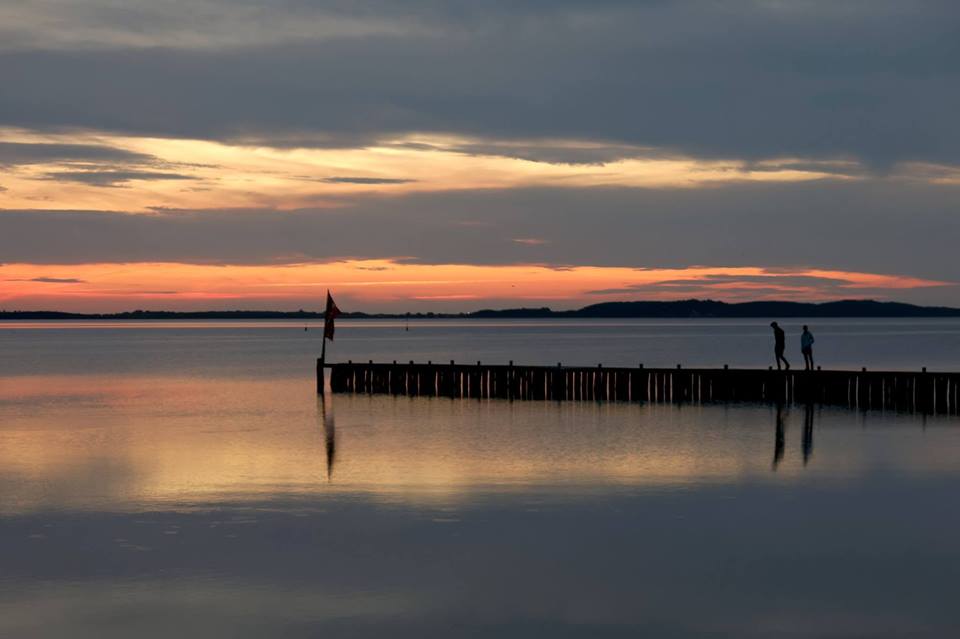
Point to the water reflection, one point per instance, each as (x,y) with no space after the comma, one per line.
(150,507)
(779,437)
(118,443)
(325,410)
(181,483)
(807,433)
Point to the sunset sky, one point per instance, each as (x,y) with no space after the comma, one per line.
(456,155)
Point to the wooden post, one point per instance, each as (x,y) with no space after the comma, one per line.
(320,365)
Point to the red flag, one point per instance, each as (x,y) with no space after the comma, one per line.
(329,315)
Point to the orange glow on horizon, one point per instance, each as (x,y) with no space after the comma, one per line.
(371,284)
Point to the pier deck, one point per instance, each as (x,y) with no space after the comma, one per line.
(915,391)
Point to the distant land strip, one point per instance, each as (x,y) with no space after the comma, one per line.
(637,310)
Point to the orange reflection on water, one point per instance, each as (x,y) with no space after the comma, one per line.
(113,442)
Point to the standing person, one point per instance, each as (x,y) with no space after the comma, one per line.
(779,343)
(806,347)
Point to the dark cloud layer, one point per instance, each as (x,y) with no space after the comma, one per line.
(875,80)
(21,153)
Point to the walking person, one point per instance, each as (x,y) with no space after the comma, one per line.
(779,343)
(806,347)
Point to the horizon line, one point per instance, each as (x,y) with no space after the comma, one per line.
(467,313)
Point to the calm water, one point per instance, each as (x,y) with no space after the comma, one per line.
(160,480)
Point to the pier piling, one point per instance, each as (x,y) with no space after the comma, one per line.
(921,391)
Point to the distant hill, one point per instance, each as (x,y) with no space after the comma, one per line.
(709,308)
(675,309)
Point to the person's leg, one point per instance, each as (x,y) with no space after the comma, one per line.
(777,355)
(781,358)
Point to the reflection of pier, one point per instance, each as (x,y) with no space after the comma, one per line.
(919,391)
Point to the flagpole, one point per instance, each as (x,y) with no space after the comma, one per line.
(321,371)
(329,315)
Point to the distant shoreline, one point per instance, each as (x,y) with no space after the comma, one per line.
(684,309)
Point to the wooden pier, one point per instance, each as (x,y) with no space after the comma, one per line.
(919,391)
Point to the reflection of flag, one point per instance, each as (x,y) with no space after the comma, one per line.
(328,316)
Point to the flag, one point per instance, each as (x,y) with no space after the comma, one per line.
(328,316)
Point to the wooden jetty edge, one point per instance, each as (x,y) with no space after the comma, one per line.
(920,391)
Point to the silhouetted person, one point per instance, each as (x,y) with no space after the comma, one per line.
(779,439)
(779,343)
(806,347)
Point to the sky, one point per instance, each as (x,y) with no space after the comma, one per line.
(455,155)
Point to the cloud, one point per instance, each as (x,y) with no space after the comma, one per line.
(112,178)
(873,81)
(773,282)
(529,241)
(23,153)
(780,279)
(847,168)
(534,151)
(52,280)
(364,180)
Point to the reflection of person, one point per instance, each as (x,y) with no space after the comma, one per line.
(779,343)
(807,433)
(778,439)
(806,347)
